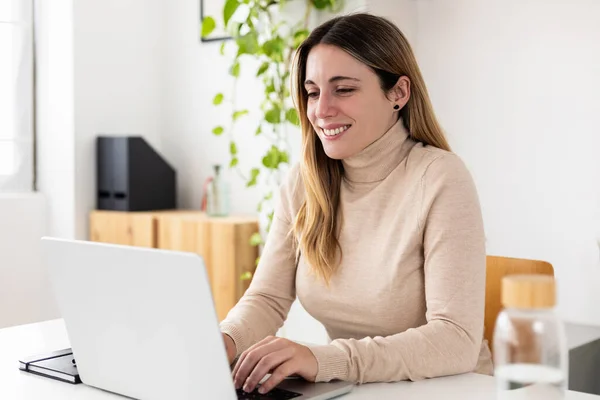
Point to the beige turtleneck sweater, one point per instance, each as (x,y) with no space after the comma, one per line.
(407,301)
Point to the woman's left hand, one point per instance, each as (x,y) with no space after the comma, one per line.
(280,357)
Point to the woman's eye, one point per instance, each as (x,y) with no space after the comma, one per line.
(313,94)
(345,90)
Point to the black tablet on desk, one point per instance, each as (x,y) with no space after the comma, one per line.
(59,365)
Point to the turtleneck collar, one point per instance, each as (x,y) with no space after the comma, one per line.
(378,160)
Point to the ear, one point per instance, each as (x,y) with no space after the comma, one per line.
(400,93)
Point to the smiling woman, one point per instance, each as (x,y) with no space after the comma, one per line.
(365,90)
(378,230)
(347,111)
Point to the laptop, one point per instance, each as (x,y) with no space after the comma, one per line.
(142,323)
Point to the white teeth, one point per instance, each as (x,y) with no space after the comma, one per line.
(336,131)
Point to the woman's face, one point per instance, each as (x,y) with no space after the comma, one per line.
(346,105)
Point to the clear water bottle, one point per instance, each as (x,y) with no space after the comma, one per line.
(530,350)
(217,196)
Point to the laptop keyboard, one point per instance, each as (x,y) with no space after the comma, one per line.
(274,394)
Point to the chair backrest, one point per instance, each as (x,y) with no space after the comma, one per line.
(496,269)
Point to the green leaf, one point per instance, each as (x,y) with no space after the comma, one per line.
(274,48)
(284,157)
(218,99)
(246,276)
(270,159)
(232,148)
(237,27)
(222,49)
(270,88)
(248,43)
(273,116)
(253,177)
(239,114)
(292,116)
(218,130)
(256,239)
(234,162)
(258,130)
(235,69)
(208,25)
(321,4)
(299,37)
(264,103)
(229,10)
(274,157)
(263,68)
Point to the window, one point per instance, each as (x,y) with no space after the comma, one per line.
(16,96)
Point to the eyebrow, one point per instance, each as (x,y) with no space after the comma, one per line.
(333,79)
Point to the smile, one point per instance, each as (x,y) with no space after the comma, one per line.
(336,131)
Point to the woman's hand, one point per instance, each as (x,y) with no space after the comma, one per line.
(278,356)
(229,347)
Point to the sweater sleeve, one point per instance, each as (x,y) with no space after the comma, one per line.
(454,272)
(264,306)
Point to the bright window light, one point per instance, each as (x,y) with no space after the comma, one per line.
(6,10)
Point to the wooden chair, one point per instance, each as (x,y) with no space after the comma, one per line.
(496,269)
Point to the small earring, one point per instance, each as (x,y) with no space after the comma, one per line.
(396,107)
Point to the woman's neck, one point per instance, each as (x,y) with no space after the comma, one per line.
(376,161)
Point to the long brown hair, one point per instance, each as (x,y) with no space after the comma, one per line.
(379,44)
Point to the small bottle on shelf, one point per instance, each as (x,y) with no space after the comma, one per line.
(217,196)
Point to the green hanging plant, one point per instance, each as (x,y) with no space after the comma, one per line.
(256,34)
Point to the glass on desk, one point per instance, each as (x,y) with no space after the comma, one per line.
(530,349)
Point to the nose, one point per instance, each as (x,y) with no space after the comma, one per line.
(325,107)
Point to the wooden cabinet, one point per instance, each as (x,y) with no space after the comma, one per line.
(223,243)
(133,229)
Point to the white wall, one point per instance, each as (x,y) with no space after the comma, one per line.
(402,12)
(24,288)
(118,60)
(516,84)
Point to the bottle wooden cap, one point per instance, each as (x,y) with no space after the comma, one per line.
(528,291)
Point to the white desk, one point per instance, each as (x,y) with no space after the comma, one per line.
(31,339)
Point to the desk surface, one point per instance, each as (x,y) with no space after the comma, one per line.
(36,338)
